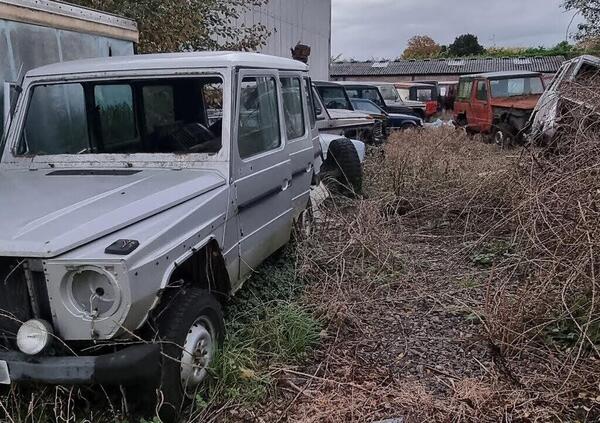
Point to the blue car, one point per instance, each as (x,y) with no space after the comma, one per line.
(395,121)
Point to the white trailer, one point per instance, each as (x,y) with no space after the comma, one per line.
(39,32)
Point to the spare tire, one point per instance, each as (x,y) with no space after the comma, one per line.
(342,170)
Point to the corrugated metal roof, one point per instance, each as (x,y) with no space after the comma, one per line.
(460,66)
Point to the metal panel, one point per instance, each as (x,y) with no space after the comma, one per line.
(53,14)
(25,46)
(296,21)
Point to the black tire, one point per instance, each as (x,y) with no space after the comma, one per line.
(179,312)
(504,135)
(343,169)
(407,125)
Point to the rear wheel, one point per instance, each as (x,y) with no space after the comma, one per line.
(342,169)
(190,330)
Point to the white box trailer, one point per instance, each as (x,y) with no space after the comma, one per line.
(34,33)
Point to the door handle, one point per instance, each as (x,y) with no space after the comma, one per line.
(309,168)
(286,185)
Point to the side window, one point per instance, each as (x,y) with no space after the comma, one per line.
(293,108)
(114,105)
(465,89)
(310,101)
(258,129)
(482,92)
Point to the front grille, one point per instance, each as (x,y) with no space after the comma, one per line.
(15,303)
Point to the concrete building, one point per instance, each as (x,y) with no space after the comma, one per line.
(293,22)
(440,69)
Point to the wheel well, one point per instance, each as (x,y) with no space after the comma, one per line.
(205,269)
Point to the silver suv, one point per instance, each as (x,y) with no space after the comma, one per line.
(139,193)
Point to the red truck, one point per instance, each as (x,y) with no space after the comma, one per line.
(498,104)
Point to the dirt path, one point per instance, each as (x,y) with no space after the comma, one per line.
(402,346)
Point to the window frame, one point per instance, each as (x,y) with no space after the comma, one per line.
(244,74)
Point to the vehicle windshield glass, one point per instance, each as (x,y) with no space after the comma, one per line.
(389,93)
(366,106)
(177,115)
(424,94)
(335,98)
(515,87)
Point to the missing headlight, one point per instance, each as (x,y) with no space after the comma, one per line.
(93,291)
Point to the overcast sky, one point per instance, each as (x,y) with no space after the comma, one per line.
(363,29)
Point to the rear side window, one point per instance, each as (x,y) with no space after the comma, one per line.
(310,101)
(293,108)
(258,128)
(482,91)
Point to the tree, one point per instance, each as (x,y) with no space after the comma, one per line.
(466,45)
(590,10)
(181,25)
(421,47)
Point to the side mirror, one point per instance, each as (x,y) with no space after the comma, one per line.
(318,110)
(11,95)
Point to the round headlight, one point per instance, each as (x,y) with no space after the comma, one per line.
(34,336)
(94,292)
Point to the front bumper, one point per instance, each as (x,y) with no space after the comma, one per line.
(134,365)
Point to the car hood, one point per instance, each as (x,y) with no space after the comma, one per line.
(47,213)
(525,102)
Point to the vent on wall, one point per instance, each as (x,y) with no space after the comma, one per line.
(380,64)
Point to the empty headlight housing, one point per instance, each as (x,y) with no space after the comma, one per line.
(91,291)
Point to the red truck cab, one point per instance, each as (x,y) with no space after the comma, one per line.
(498,103)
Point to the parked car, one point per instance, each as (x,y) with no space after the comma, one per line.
(134,213)
(393,120)
(557,98)
(498,103)
(375,93)
(336,115)
(416,91)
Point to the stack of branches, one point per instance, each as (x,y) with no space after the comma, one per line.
(548,304)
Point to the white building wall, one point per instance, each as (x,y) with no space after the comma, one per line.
(296,21)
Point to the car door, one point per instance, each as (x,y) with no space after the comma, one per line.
(299,136)
(262,169)
(480,106)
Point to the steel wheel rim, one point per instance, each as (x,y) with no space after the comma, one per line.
(198,353)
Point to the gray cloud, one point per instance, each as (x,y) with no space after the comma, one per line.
(380,28)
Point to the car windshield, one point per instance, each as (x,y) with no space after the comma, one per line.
(335,98)
(366,106)
(178,115)
(515,87)
(389,93)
